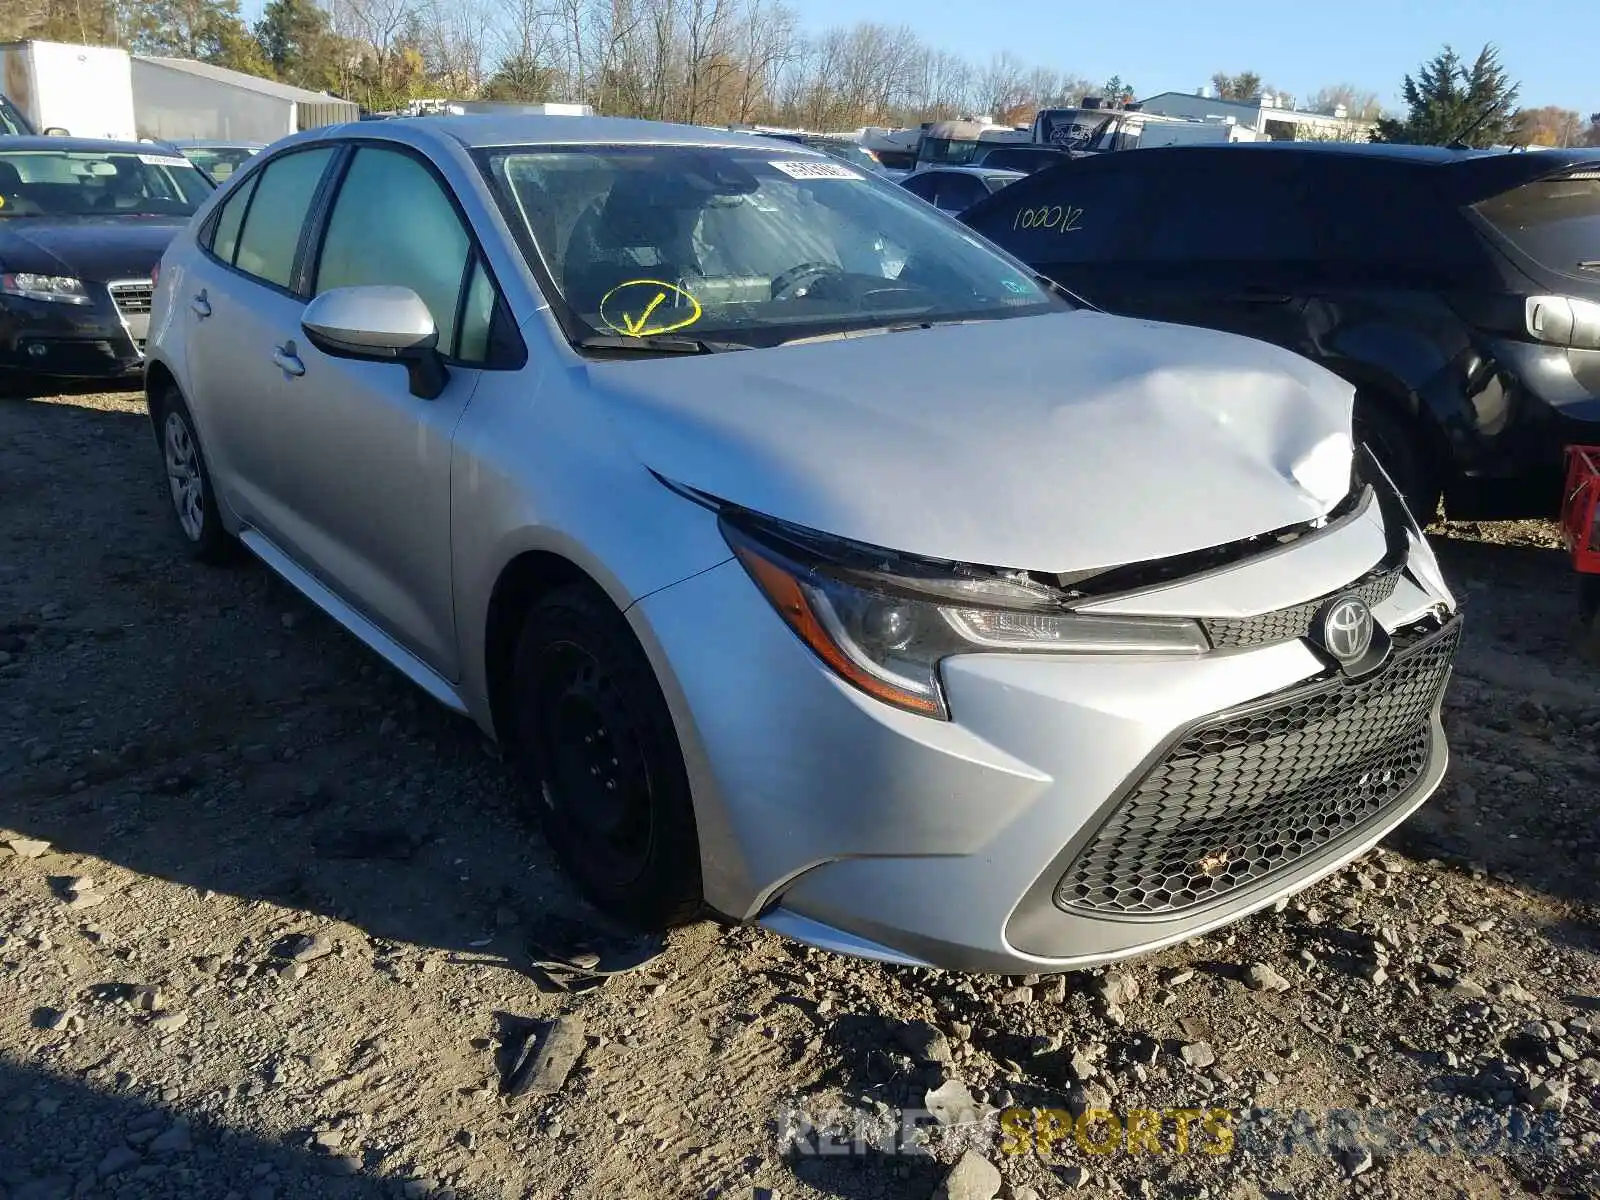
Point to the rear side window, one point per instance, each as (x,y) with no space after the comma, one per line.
(1076,212)
(1248,208)
(225,235)
(1555,222)
(272,227)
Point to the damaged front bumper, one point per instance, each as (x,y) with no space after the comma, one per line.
(1075,808)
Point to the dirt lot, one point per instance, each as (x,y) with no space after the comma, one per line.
(217,768)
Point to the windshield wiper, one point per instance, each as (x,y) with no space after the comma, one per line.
(656,344)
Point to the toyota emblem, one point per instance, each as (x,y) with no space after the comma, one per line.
(1347,628)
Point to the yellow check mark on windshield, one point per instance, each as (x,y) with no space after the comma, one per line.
(634,326)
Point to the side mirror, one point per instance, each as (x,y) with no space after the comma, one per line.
(56,131)
(379,324)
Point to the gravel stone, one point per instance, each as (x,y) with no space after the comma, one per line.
(972,1178)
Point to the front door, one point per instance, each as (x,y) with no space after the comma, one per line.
(365,468)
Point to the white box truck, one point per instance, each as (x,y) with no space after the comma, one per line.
(85,91)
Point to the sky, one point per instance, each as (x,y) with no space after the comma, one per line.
(1298,46)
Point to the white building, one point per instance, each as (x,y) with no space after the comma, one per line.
(1265,114)
(181,98)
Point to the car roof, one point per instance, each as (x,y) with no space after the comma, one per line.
(967,169)
(483,131)
(1463,176)
(80,145)
(214,144)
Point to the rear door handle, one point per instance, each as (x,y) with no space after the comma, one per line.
(286,359)
(200,305)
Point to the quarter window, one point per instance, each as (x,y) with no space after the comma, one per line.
(225,234)
(272,228)
(392,224)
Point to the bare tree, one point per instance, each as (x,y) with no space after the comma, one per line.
(766,45)
(1359,105)
(1001,86)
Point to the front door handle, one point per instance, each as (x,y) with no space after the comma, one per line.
(286,359)
(200,305)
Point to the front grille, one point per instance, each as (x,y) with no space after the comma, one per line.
(1286,624)
(133,296)
(1248,793)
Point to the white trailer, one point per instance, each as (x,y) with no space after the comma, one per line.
(85,91)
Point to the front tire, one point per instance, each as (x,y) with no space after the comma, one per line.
(189,490)
(598,753)
(1398,446)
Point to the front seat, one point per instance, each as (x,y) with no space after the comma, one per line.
(634,233)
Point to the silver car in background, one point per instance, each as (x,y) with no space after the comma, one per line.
(815,562)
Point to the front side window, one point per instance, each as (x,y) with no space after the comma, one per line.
(12,123)
(750,247)
(81,183)
(393,225)
(272,228)
(1077,214)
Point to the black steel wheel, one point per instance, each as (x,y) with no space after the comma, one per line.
(595,744)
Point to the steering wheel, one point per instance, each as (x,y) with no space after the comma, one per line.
(785,281)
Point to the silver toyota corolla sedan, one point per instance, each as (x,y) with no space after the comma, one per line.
(817,564)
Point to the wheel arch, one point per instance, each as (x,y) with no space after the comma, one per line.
(525,578)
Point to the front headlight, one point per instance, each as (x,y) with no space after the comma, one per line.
(60,288)
(883,622)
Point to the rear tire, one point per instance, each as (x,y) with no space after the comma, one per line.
(1398,447)
(596,747)
(189,490)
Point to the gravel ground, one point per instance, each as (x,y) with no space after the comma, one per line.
(266,917)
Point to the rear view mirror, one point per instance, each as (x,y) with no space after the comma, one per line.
(379,324)
(56,131)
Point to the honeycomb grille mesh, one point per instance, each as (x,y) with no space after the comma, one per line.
(1250,792)
(1286,624)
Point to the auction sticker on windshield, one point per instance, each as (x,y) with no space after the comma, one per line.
(796,169)
(163,160)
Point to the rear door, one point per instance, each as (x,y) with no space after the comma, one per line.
(241,303)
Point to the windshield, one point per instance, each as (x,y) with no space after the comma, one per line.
(750,247)
(849,152)
(947,152)
(1555,222)
(83,183)
(1072,128)
(218,161)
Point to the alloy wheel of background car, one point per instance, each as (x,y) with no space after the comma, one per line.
(189,483)
(600,759)
(183,477)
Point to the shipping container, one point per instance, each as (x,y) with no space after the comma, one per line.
(178,98)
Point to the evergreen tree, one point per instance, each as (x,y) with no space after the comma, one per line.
(1450,100)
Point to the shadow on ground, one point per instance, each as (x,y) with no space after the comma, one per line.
(210,727)
(63,1136)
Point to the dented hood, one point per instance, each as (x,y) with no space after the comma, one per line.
(1061,443)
